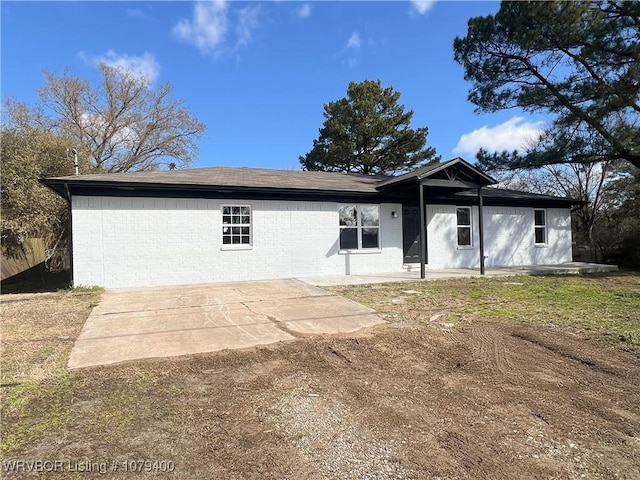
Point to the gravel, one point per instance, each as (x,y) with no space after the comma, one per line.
(320,428)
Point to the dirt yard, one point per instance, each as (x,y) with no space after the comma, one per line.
(510,378)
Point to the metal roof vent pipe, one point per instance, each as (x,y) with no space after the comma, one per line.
(75,160)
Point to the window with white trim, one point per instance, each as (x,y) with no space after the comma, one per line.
(236,225)
(359,227)
(463,221)
(540,226)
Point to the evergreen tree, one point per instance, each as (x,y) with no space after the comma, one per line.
(577,60)
(368,132)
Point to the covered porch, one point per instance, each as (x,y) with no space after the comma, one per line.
(435,184)
(412,273)
(453,218)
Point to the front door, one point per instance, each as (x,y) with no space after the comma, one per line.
(411,234)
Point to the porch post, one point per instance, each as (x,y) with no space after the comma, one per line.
(481,228)
(423,234)
(70,227)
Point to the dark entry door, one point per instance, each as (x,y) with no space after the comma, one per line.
(411,234)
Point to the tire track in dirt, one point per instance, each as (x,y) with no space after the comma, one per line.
(488,346)
(454,336)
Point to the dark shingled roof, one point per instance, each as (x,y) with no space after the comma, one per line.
(237,177)
(216,182)
(431,169)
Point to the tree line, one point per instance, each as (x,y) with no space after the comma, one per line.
(577,61)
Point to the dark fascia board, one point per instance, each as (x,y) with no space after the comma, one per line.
(431,170)
(59,187)
(112,189)
(518,199)
(503,202)
(65,188)
(489,180)
(435,182)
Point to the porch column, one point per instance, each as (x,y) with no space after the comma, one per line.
(481,228)
(423,233)
(70,235)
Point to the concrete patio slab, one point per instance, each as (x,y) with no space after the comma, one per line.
(310,316)
(412,273)
(131,324)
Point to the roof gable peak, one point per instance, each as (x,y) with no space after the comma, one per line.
(452,170)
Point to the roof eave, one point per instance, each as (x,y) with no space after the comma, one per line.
(412,177)
(59,185)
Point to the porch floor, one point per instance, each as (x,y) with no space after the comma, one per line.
(412,273)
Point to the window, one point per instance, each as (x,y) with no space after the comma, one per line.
(236,225)
(540,226)
(463,215)
(359,226)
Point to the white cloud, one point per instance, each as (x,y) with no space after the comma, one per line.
(144,66)
(304,11)
(422,6)
(212,30)
(354,41)
(95,123)
(207,28)
(134,12)
(247,22)
(514,134)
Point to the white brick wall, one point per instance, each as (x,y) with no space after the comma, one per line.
(508,238)
(125,242)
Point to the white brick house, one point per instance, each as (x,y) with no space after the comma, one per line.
(225,224)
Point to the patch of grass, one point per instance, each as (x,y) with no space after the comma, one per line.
(39,331)
(116,413)
(38,334)
(608,305)
(32,411)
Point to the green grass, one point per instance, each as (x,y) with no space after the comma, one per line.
(37,390)
(607,305)
(41,407)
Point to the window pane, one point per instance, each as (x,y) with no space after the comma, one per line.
(464,236)
(464,216)
(348,238)
(236,225)
(539,217)
(370,216)
(540,235)
(370,238)
(348,215)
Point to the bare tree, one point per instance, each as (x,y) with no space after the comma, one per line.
(123,122)
(587,182)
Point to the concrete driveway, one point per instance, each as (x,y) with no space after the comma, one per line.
(137,323)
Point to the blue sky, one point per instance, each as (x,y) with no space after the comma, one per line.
(258,73)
